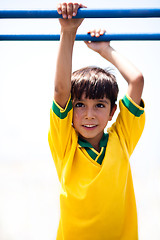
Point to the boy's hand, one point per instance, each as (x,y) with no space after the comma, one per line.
(97,46)
(69,10)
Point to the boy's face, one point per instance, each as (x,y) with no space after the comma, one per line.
(90,117)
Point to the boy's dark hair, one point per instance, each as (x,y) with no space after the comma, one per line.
(96,83)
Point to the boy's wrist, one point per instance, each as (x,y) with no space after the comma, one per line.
(69,32)
(104,50)
(68,36)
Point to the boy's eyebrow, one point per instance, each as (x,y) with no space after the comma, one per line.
(98,100)
(103,100)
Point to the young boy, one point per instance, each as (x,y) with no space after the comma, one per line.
(97,199)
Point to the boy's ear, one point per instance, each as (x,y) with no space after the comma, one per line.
(112,112)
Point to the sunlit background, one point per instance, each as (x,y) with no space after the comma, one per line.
(29,187)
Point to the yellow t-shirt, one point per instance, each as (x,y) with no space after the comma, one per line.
(97,200)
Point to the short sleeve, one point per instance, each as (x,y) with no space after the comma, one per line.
(130,123)
(60,132)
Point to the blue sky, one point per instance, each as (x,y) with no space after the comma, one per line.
(27,173)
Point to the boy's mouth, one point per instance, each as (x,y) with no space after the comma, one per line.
(89,125)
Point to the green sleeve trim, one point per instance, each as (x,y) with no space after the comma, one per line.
(133,107)
(60,112)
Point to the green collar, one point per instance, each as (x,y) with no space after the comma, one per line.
(86,144)
(98,157)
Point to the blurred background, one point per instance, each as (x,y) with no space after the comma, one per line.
(29,187)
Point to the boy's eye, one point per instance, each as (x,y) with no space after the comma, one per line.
(79,104)
(100,105)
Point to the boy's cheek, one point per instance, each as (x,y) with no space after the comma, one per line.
(76,114)
(75,118)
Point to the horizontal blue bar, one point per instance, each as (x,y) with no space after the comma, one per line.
(85,37)
(84,13)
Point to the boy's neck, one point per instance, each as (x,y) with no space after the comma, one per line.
(95,142)
(97,147)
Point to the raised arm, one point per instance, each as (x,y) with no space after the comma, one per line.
(130,73)
(69,26)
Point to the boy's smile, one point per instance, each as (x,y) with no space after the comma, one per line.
(90,117)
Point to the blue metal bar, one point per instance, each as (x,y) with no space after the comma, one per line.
(83,13)
(85,37)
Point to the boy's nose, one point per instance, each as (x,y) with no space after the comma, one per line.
(89,114)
